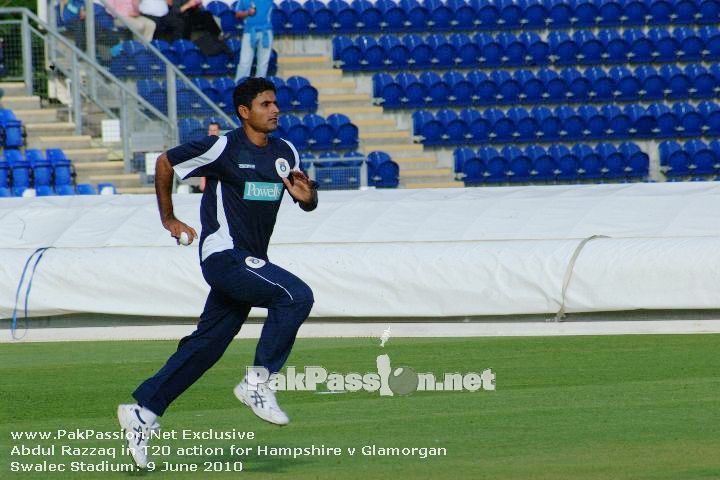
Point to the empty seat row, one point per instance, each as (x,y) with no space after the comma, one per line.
(295,94)
(570,85)
(133,59)
(587,122)
(334,171)
(317,133)
(483,50)
(556,163)
(364,16)
(694,157)
(19,174)
(62,190)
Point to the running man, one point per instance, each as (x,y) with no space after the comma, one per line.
(247,173)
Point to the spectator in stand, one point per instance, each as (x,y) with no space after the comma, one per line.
(257,34)
(200,26)
(128,10)
(168,27)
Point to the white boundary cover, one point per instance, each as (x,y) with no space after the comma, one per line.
(393,253)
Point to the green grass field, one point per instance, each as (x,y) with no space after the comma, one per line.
(610,407)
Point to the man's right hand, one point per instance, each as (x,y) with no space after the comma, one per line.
(176,227)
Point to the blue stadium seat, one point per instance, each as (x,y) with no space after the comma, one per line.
(12,128)
(460,156)
(63,173)
(590,48)
(467,51)
(710,36)
(463,15)
(519,165)
(42,174)
(224,14)
(21,175)
(653,84)
(710,112)
(691,45)
(666,120)
(198,105)
(562,48)
(595,122)
(444,53)
(13,157)
(579,86)
(440,15)
(34,156)
(567,162)
(555,88)
(300,134)
(65,190)
(611,13)
(615,47)
(190,129)
(703,81)
(44,190)
(538,50)
(371,16)
(627,85)
(4,174)
(345,132)
(515,51)
(614,164)
(587,13)
(346,54)
(191,58)
(666,47)
(425,125)
(619,124)
(495,165)
(438,90)
(677,82)
(322,134)
(479,127)
(373,55)
(526,127)
(560,13)
(532,87)
(154,93)
(675,159)
(417,15)
(508,88)
(502,127)
(421,54)
(491,51)
(573,125)
(320,17)
(510,14)
(461,89)
(394,17)
(305,96)
(548,122)
(590,165)
(703,159)
(225,87)
(709,11)
(643,124)
(85,189)
(485,89)
(383,172)
(641,47)
(396,54)
(544,166)
(415,92)
(298,18)
(454,128)
(488,14)
(637,12)
(691,121)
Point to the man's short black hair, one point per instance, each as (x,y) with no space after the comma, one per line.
(250,88)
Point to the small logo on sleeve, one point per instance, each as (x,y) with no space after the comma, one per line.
(254,262)
(262,191)
(282,167)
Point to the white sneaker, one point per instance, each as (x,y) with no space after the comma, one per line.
(136,431)
(262,402)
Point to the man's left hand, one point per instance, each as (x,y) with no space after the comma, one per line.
(300,187)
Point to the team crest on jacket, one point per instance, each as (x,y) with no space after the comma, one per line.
(282,167)
(254,262)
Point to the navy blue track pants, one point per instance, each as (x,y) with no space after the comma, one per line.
(237,283)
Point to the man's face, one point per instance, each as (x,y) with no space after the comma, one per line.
(263,114)
(214,129)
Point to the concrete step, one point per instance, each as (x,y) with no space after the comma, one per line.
(79,155)
(396,136)
(335,86)
(432,184)
(20,102)
(313,74)
(99,168)
(395,149)
(36,115)
(428,173)
(368,112)
(136,190)
(13,89)
(303,60)
(60,141)
(118,179)
(52,128)
(419,162)
(375,124)
(330,101)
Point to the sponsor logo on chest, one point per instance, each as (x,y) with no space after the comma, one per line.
(263,191)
